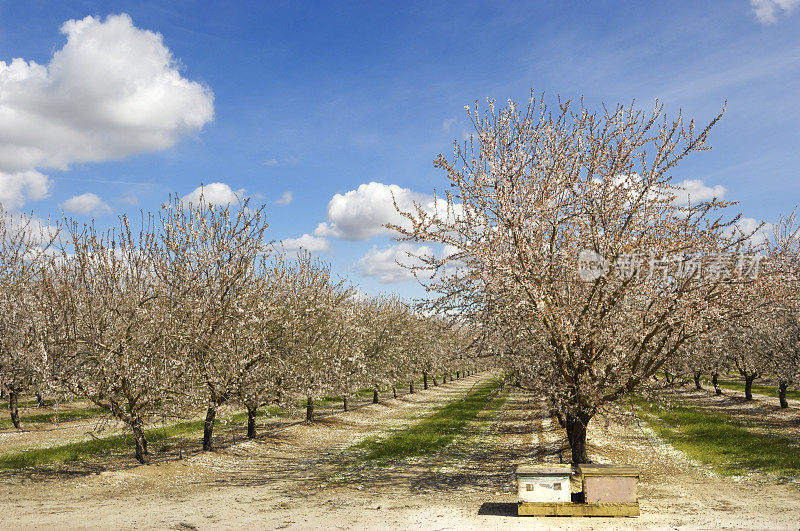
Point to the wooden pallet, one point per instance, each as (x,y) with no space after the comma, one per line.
(577,509)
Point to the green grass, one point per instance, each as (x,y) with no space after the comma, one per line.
(101,446)
(63,416)
(432,433)
(729,446)
(769,390)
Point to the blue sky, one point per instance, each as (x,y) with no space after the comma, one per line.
(319,98)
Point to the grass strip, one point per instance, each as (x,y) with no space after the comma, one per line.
(101,446)
(432,433)
(715,439)
(62,416)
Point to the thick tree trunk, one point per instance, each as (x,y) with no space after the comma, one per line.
(13,407)
(782,387)
(458,375)
(208,427)
(375,396)
(345,403)
(444,378)
(310,409)
(411,387)
(748,387)
(141,442)
(576,435)
(697,380)
(251,422)
(435,383)
(424,380)
(715,383)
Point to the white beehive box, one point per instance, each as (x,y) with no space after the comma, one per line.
(544,483)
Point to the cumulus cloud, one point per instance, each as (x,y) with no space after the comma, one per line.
(307,242)
(111,91)
(695,191)
(86,204)
(214,194)
(391,264)
(361,214)
(447,124)
(757,230)
(767,11)
(18,187)
(286,198)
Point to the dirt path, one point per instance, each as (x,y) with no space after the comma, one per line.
(285,481)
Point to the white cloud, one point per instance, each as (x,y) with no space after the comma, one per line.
(362,213)
(286,198)
(111,91)
(390,265)
(18,187)
(767,11)
(745,226)
(307,242)
(214,194)
(447,124)
(87,204)
(272,162)
(695,191)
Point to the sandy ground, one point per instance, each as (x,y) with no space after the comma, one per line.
(304,478)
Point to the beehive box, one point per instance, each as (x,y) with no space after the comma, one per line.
(609,483)
(544,483)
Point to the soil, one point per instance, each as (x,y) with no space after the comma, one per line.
(304,477)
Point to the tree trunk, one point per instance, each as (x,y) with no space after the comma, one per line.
(715,382)
(310,409)
(748,387)
(782,387)
(435,383)
(444,378)
(208,427)
(424,380)
(576,435)
(375,396)
(394,389)
(141,442)
(39,399)
(458,375)
(14,408)
(697,380)
(345,403)
(411,387)
(251,422)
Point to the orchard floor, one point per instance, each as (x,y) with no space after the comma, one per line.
(299,478)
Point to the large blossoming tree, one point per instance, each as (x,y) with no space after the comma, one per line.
(538,190)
